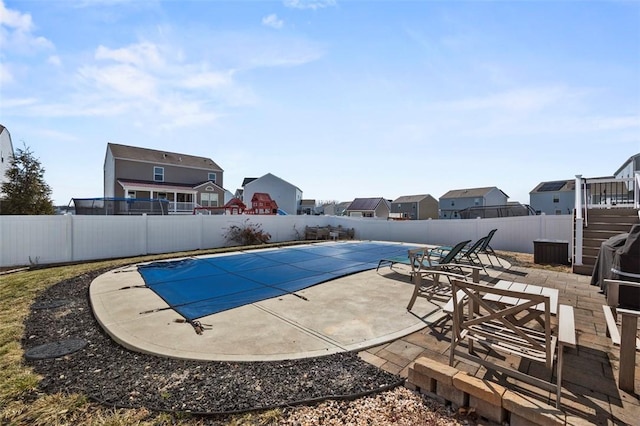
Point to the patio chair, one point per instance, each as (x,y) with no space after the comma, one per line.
(488,251)
(426,272)
(476,318)
(470,254)
(630,299)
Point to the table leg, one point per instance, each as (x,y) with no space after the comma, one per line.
(628,353)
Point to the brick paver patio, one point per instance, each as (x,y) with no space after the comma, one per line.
(590,376)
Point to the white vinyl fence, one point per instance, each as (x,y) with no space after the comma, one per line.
(27,240)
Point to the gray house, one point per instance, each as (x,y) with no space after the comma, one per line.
(456,200)
(369,207)
(553,197)
(335,209)
(286,195)
(307,207)
(414,207)
(186,181)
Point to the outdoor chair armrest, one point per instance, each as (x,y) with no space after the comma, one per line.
(566,326)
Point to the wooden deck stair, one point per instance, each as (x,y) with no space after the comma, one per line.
(603,224)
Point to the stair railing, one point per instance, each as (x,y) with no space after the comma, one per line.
(578,225)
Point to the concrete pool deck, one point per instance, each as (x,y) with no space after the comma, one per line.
(366,312)
(350,313)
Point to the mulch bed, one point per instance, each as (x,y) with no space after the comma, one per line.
(112,375)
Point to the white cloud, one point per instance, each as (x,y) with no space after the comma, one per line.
(18,102)
(16,32)
(309,4)
(272,21)
(141,54)
(523,100)
(124,80)
(14,19)
(55,60)
(210,80)
(6,76)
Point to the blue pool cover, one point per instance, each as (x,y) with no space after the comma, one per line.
(197,287)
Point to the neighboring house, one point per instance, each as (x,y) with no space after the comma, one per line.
(186,181)
(228,196)
(286,195)
(558,197)
(6,154)
(629,168)
(369,207)
(307,207)
(415,207)
(333,209)
(554,197)
(459,199)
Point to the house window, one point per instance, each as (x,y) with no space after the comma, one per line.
(158,174)
(476,201)
(558,211)
(556,199)
(212,177)
(208,200)
(161,196)
(131,194)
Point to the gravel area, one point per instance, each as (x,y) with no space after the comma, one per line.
(322,390)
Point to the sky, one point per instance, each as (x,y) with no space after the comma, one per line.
(343,99)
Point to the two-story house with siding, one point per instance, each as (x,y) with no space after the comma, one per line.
(186,181)
(369,207)
(456,200)
(554,197)
(415,207)
(286,195)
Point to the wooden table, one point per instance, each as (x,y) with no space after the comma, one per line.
(626,379)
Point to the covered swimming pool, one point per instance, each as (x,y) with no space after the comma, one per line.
(202,286)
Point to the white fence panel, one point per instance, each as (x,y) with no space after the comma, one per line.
(167,234)
(56,239)
(102,237)
(34,240)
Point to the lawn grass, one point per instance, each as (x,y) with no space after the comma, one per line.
(22,403)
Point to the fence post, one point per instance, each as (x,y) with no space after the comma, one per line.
(145,233)
(579,223)
(69,248)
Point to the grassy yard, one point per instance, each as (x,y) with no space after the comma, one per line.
(20,400)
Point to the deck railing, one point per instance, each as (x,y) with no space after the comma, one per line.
(601,193)
(182,207)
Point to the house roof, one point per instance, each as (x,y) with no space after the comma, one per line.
(246,181)
(127,152)
(470,192)
(411,198)
(365,204)
(632,158)
(555,186)
(165,186)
